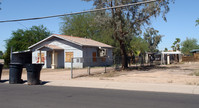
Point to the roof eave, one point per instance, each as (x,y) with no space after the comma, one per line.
(51,37)
(67,40)
(98,46)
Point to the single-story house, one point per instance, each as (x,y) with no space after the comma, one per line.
(195,53)
(59,51)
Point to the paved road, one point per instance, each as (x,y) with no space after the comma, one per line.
(24,96)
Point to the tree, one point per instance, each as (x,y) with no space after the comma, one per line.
(176,45)
(78,25)
(138,45)
(22,39)
(127,21)
(152,38)
(165,50)
(197,22)
(85,25)
(188,45)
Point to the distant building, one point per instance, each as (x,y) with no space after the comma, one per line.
(163,57)
(195,53)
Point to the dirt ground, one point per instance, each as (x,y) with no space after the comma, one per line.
(183,74)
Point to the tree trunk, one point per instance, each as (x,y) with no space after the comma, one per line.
(124,55)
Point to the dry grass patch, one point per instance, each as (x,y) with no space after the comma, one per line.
(195,73)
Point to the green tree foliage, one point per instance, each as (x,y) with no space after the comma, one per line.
(188,45)
(197,22)
(153,38)
(165,50)
(22,39)
(138,45)
(78,25)
(126,22)
(176,45)
(85,25)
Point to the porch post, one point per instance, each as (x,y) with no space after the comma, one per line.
(168,59)
(53,60)
(146,58)
(163,60)
(39,56)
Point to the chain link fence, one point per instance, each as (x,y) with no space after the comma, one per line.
(98,65)
(89,66)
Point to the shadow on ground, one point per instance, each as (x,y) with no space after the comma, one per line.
(3,81)
(44,82)
(147,68)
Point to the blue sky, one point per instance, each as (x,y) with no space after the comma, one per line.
(180,20)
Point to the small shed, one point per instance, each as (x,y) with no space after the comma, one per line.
(195,53)
(23,57)
(171,57)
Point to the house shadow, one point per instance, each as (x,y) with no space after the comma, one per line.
(3,81)
(44,82)
(41,82)
(25,81)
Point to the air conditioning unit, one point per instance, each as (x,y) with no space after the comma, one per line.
(102,52)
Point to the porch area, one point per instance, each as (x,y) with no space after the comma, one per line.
(54,56)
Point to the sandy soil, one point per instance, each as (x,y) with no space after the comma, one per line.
(166,74)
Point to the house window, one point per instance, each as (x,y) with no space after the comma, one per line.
(103,59)
(42,57)
(94,56)
(68,56)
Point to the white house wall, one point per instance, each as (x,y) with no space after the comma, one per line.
(67,46)
(88,57)
(109,59)
(77,51)
(35,57)
(77,54)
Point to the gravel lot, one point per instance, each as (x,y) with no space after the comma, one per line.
(182,74)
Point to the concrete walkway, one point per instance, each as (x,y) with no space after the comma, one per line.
(170,88)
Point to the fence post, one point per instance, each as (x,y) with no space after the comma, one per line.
(105,69)
(89,70)
(105,65)
(71,68)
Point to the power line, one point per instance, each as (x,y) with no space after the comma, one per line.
(120,6)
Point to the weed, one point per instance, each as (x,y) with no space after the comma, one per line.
(196,73)
(171,81)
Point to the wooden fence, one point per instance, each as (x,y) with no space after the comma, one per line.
(189,59)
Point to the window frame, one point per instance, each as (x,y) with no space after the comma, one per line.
(68,56)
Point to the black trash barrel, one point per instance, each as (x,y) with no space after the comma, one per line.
(33,73)
(1,67)
(15,73)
